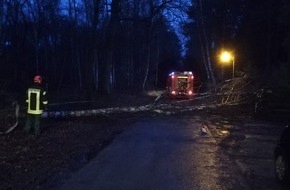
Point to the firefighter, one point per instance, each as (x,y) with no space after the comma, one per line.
(36,100)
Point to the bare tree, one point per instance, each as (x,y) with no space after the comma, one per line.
(1,22)
(110,42)
(92,12)
(14,36)
(34,15)
(152,15)
(205,44)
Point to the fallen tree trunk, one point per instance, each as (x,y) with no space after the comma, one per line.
(227,94)
(92,112)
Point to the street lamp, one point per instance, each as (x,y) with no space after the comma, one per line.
(226,57)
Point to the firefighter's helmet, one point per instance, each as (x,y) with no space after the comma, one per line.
(37,79)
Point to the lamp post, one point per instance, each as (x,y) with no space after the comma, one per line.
(233,67)
(226,57)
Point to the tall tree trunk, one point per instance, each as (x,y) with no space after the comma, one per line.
(269,36)
(79,73)
(108,72)
(95,62)
(96,69)
(35,12)
(206,44)
(203,52)
(130,69)
(72,35)
(147,66)
(157,63)
(36,49)
(1,19)
(112,29)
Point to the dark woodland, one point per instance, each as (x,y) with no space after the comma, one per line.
(88,47)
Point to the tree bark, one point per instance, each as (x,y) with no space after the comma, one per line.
(157,62)
(1,19)
(148,49)
(112,30)
(204,34)
(95,61)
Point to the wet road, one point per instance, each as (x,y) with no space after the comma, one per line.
(169,153)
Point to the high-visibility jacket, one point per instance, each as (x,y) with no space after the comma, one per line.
(36,99)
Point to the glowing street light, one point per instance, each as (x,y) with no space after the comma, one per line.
(227,57)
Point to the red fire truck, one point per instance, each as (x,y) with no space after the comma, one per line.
(180,84)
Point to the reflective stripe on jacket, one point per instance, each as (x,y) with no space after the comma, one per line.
(36,98)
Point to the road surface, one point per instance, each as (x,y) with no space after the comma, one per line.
(169,153)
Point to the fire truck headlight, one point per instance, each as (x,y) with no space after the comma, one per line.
(173,92)
(190,92)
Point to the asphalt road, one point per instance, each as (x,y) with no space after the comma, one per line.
(170,153)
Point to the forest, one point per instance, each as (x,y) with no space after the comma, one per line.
(86,47)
